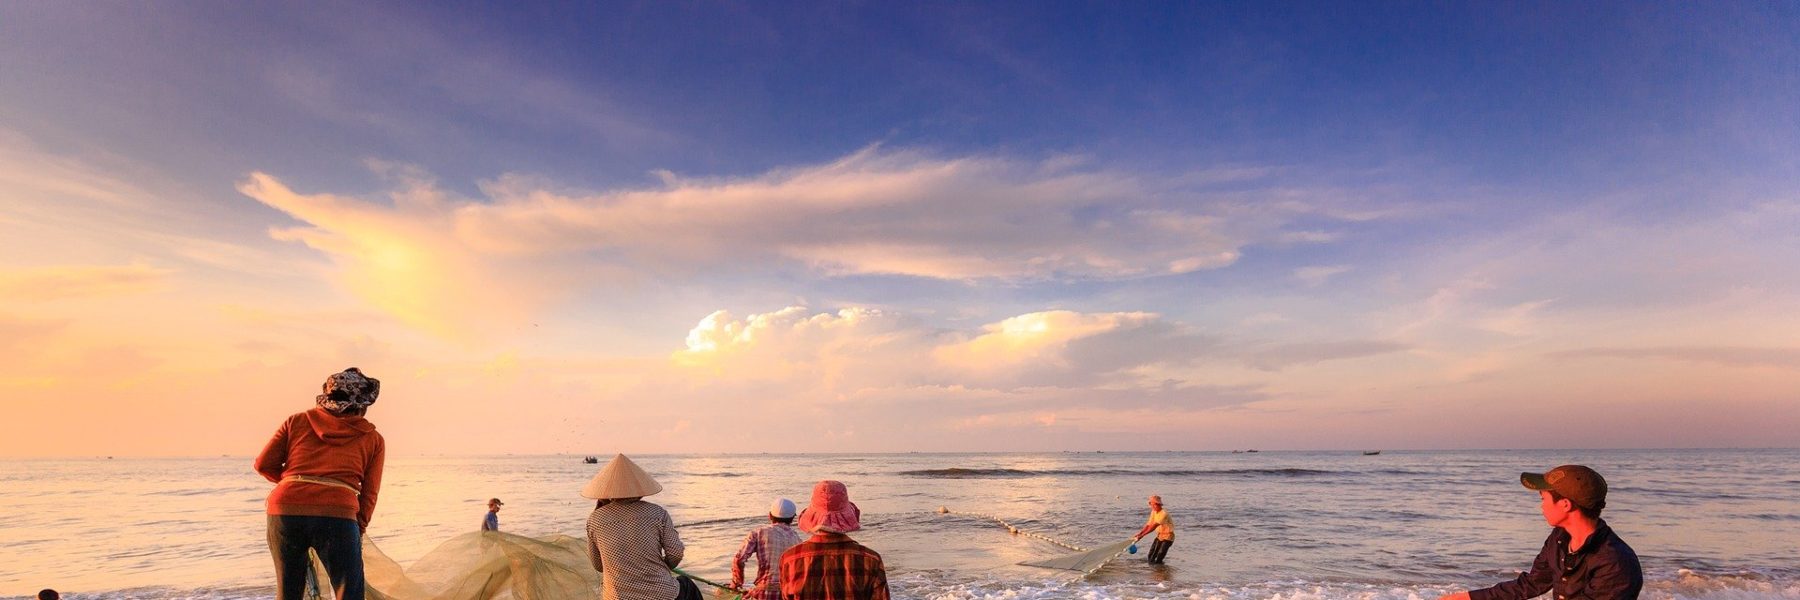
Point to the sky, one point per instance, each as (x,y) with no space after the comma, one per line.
(889,227)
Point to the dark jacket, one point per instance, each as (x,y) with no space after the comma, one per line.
(1603,569)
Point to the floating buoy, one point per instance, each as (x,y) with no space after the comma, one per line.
(943,510)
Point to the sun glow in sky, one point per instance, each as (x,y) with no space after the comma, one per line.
(901,227)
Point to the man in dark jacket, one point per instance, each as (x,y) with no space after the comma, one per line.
(1582,559)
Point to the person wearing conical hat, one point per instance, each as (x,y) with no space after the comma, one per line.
(830,565)
(633,542)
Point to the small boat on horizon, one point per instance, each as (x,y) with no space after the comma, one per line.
(1371,452)
(592,460)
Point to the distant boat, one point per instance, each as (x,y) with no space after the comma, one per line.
(592,460)
(1237,451)
(1250,450)
(1371,452)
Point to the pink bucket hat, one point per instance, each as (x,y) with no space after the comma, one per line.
(831,510)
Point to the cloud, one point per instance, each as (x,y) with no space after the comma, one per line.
(1309,237)
(859,349)
(838,352)
(28,171)
(1065,348)
(878,212)
(1316,276)
(1731,356)
(401,257)
(19,336)
(48,284)
(1283,356)
(1034,337)
(874,212)
(1602,277)
(366,79)
(98,208)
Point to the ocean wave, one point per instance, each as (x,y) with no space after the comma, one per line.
(1738,586)
(207,491)
(1773,517)
(1698,495)
(1686,585)
(1003,473)
(754,519)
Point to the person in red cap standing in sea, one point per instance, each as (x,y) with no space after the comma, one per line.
(830,565)
(1582,559)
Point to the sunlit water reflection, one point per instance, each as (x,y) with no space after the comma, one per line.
(1400,525)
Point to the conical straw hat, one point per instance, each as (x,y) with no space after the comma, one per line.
(621,478)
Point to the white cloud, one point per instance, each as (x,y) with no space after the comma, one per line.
(402,258)
(873,212)
(880,212)
(1281,356)
(857,349)
(1317,276)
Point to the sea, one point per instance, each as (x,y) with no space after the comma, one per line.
(1399,525)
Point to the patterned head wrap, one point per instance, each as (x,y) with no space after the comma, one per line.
(352,390)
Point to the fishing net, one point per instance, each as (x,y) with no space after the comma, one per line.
(1086,562)
(479,566)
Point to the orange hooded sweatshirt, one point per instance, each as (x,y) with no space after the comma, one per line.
(317,443)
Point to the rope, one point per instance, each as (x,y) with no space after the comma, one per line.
(1012,528)
(735,593)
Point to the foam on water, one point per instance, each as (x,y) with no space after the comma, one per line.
(1708,524)
(1685,586)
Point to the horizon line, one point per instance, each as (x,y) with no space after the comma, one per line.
(937,452)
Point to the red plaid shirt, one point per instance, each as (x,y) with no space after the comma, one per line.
(831,566)
(767,544)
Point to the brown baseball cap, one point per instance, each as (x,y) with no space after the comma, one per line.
(1581,485)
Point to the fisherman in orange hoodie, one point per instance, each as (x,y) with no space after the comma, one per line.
(326,465)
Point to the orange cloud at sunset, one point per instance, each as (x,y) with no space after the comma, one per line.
(611,315)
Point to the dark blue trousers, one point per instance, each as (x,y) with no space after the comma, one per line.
(338,542)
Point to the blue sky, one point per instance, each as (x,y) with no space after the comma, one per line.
(1392,198)
(1549,95)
